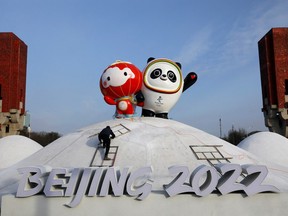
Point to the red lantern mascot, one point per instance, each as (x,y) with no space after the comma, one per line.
(119,84)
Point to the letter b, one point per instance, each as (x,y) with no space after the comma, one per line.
(31,177)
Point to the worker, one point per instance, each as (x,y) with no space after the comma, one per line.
(104,136)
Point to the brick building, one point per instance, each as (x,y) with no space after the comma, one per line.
(13,62)
(273,58)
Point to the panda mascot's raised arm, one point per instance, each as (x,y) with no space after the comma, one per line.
(163,85)
(189,80)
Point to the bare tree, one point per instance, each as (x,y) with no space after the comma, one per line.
(235,136)
(42,137)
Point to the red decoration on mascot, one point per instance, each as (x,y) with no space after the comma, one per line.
(119,83)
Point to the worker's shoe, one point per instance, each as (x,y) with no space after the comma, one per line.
(107,158)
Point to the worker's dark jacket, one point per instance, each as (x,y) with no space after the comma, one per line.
(105,134)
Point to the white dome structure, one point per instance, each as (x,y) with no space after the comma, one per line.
(268,146)
(15,148)
(151,158)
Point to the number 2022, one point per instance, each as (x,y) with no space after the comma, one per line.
(223,178)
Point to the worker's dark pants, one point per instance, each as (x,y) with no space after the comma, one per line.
(106,144)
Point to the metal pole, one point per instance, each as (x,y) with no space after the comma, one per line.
(220,125)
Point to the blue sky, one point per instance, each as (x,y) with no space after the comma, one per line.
(71,42)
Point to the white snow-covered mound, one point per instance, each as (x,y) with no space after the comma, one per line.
(170,154)
(15,148)
(268,146)
(142,142)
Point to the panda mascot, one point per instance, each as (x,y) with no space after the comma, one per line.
(162,86)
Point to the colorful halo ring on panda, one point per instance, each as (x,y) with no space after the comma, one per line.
(152,74)
(120,79)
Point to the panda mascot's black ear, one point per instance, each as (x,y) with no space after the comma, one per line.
(179,65)
(150,59)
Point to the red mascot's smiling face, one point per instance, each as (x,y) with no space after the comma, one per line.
(120,79)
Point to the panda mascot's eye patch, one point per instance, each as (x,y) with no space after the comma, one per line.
(171,76)
(156,73)
(125,73)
